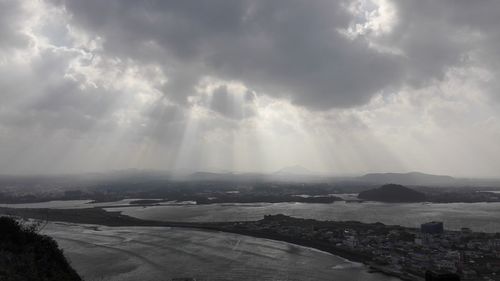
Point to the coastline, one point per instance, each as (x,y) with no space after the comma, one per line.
(98,216)
(340,252)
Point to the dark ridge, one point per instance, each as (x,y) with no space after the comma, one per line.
(412,178)
(392,193)
(28,256)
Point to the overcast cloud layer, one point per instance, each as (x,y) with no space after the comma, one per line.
(253,85)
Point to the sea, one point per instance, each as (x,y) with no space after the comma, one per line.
(160,253)
(483,217)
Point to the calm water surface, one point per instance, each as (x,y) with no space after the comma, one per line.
(148,253)
(477,216)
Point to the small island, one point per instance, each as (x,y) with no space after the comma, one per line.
(393,193)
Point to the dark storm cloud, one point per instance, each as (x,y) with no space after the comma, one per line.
(437,35)
(291,48)
(287,49)
(170,76)
(282,48)
(229,105)
(163,122)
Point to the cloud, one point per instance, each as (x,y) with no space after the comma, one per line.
(281,48)
(229,100)
(329,80)
(436,37)
(11,25)
(41,95)
(292,49)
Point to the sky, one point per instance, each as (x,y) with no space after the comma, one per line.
(338,87)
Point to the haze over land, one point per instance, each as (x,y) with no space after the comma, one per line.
(338,87)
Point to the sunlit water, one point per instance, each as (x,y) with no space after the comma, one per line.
(148,253)
(477,216)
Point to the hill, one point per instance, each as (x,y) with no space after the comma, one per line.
(413,178)
(392,193)
(27,255)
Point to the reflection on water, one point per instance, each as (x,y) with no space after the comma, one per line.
(477,216)
(147,253)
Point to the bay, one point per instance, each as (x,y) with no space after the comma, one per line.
(477,216)
(162,253)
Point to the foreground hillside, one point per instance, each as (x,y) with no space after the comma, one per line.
(28,256)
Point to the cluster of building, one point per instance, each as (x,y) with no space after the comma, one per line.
(406,252)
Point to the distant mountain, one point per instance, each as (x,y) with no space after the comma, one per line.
(413,178)
(392,193)
(209,176)
(294,170)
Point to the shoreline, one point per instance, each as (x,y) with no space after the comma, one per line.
(98,216)
(333,250)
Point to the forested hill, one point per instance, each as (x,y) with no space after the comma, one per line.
(28,256)
(392,193)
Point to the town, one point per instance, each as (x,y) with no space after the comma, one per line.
(407,253)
